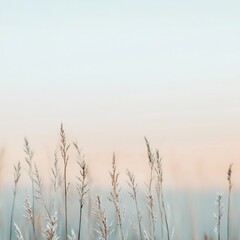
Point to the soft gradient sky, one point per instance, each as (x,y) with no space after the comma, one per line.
(116,71)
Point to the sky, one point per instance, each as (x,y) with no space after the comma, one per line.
(115,71)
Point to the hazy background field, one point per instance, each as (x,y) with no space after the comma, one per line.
(114,72)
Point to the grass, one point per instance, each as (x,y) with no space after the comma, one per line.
(229,175)
(218,216)
(85,216)
(82,185)
(64,147)
(115,198)
(133,193)
(103,228)
(29,161)
(17,174)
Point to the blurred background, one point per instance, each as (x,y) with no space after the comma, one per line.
(114,72)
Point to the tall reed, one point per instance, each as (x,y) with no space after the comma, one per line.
(159,174)
(55,174)
(17,174)
(82,185)
(102,222)
(134,188)
(50,232)
(64,147)
(39,191)
(29,214)
(229,175)
(114,198)
(218,216)
(150,202)
(29,161)
(159,188)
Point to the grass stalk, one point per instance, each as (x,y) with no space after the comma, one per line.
(50,232)
(229,175)
(158,170)
(114,198)
(159,188)
(29,214)
(81,185)
(102,223)
(134,187)
(55,174)
(17,174)
(64,147)
(150,202)
(29,161)
(218,216)
(39,191)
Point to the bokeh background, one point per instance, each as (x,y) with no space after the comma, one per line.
(115,71)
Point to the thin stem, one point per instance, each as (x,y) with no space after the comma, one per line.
(64,151)
(39,191)
(165,216)
(82,185)
(17,174)
(33,206)
(11,221)
(218,216)
(150,202)
(228,216)
(80,222)
(29,215)
(161,211)
(65,201)
(133,194)
(159,188)
(102,222)
(115,196)
(29,160)
(229,200)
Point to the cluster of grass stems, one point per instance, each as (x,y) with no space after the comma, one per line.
(104,229)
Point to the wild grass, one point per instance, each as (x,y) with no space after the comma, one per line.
(218,215)
(50,232)
(150,202)
(115,198)
(133,193)
(64,147)
(83,213)
(17,174)
(29,161)
(229,175)
(103,227)
(29,215)
(82,185)
(160,195)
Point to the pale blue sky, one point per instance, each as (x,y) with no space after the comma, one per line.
(120,70)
